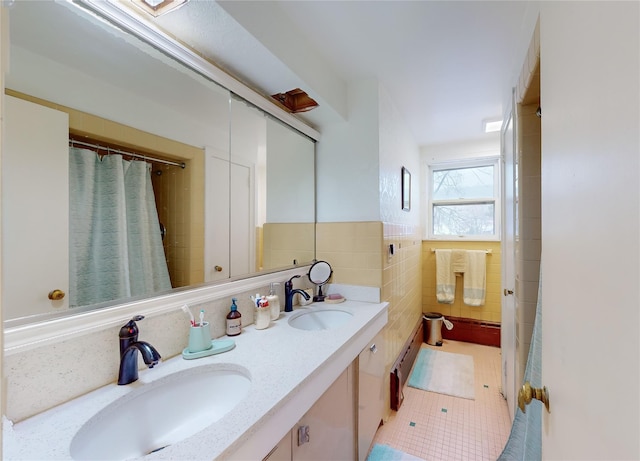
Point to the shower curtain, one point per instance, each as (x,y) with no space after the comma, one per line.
(525,440)
(115,246)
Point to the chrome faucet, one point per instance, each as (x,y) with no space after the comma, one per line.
(289,292)
(129,346)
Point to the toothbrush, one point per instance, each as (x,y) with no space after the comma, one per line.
(201,317)
(186,309)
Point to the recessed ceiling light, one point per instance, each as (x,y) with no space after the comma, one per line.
(490,126)
(158,7)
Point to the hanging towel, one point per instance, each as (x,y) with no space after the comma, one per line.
(459,262)
(445,277)
(475,278)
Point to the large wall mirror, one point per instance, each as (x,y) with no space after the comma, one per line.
(81,91)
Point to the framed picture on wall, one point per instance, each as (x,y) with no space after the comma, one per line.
(406,189)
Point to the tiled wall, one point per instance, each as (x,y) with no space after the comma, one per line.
(180,202)
(402,277)
(179,193)
(285,242)
(529,229)
(529,223)
(491,311)
(359,255)
(354,250)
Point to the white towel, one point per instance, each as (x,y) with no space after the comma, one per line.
(445,277)
(475,278)
(459,262)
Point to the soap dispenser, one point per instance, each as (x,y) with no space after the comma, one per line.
(234,321)
(274,301)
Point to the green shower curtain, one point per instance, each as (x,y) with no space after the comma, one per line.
(525,440)
(115,246)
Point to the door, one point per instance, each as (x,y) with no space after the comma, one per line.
(508,323)
(590,229)
(216,260)
(242,240)
(35,213)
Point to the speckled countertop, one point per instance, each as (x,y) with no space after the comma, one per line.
(289,368)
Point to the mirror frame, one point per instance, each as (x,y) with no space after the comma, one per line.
(48,329)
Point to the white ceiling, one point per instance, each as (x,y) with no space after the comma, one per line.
(446,64)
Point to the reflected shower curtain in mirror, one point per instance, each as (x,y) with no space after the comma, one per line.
(115,246)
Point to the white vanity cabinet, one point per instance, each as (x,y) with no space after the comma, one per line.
(330,430)
(282,451)
(327,430)
(371,392)
(299,378)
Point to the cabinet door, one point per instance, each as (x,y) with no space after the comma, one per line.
(282,451)
(330,425)
(35,208)
(371,393)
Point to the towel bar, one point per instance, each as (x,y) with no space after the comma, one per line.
(487,251)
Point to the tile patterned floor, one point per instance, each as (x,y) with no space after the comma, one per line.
(438,427)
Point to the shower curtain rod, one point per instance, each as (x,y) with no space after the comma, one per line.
(130,154)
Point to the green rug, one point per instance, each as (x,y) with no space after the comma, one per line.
(444,373)
(386,453)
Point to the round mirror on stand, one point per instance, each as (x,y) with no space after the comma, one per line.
(319,274)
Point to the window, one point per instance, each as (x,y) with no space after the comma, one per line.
(464,200)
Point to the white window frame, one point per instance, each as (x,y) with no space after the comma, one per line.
(496,199)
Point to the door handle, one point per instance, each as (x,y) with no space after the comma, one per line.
(528,393)
(56,295)
(507,292)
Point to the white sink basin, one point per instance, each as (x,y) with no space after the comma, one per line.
(161,413)
(319,319)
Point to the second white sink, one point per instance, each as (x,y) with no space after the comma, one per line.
(161,413)
(320,319)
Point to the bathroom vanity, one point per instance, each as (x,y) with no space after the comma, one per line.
(289,369)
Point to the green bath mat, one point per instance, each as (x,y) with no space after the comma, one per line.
(386,453)
(444,373)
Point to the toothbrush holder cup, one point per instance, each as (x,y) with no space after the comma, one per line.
(199,338)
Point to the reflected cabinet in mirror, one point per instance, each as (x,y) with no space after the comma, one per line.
(127,175)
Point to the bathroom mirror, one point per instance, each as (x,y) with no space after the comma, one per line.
(244,204)
(319,274)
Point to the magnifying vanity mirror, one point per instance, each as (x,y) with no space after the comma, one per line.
(319,274)
(243,205)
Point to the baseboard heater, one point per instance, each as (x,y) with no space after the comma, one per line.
(402,366)
(473,331)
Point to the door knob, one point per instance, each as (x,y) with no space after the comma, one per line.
(528,393)
(56,295)
(218,268)
(507,292)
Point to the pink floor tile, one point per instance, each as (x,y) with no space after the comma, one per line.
(440,427)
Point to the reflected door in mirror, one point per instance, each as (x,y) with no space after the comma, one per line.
(216,257)
(35,208)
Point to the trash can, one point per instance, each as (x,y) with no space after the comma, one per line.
(433,328)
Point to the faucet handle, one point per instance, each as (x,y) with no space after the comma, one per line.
(290,282)
(130,328)
(129,333)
